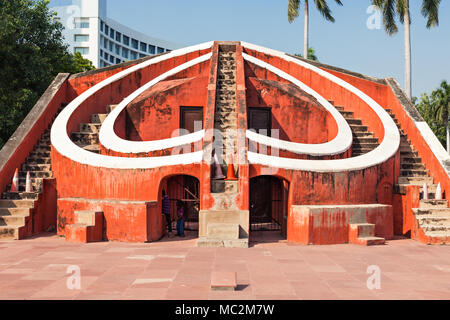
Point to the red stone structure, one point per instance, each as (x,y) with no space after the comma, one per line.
(320,154)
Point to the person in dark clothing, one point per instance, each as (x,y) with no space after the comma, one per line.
(180,218)
(166,210)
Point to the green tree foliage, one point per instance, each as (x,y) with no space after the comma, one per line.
(32,53)
(311,55)
(435,109)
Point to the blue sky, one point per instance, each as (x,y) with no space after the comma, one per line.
(348,43)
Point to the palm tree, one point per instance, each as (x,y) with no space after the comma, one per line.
(391,8)
(441,107)
(321,5)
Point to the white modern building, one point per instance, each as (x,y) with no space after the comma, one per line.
(100,39)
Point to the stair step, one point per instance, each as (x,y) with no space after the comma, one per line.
(347,114)
(419,181)
(16,220)
(36,167)
(413,173)
(406,159)
(358,128)
(433,204)
(32,160)
(98,117)
(435,227)
(412,166)
(9,232)
(5,203)
(20,195)
(35,174)
(90,127)
(86,138)
(428,211)
(439,234)
(95,148)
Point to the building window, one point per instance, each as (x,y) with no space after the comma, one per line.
(106,56)
(134,43)
(125,53)
(133,55)
(101,26)
(118,36)
(111,59)
(151,49)
(160,50)
(106,29)
(117,49)
(82,50)
(112,33)
(81,38)
(141,55)
(118,60)
(168,50)
(105,43)
(101,53)
(143,47)
(111,46)
(82,23)
(126,40)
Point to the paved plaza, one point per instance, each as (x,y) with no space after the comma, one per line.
(175,268)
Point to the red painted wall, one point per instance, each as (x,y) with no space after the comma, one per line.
(297,117)
(156,114)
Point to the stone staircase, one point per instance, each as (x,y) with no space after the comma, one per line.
(88,136)
(87,227)
(413,171)
(433,216)
(15,207)
(363,140)
(222,225)
(225,116)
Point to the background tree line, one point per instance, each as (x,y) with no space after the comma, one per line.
(32,53)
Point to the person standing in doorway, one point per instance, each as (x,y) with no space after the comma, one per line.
(166,210)
(180,218)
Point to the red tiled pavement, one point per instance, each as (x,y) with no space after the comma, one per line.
(176,269)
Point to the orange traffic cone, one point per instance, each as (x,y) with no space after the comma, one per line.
(15,182)
(28,187)
(230,171)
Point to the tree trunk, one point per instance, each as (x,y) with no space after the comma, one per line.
(306,39)
(448,136)
(407,51)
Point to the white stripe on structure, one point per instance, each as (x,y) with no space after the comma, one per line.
(341,143)
(382,153)
(65,146)
(109,138)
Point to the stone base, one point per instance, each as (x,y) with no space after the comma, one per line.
(221,243)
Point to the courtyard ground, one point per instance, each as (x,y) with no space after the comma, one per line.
(175,268)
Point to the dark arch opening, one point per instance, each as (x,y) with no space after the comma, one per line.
(269,197)
(187,189)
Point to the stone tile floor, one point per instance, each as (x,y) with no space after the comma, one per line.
(175,268)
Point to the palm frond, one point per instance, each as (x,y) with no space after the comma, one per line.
(293,9)
(430,10)
(324,9)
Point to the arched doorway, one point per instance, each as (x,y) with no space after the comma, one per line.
(187,189)
(269,205)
